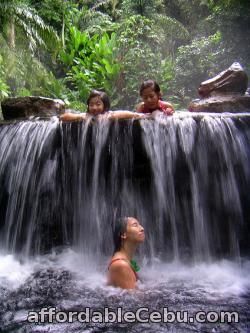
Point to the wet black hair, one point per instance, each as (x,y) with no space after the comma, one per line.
(150,84)
(104,97)
(119,229)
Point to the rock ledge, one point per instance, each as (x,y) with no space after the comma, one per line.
(26,107)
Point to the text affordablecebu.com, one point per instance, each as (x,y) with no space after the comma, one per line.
(140,315)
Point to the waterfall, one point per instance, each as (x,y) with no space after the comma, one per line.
(29,184)
(185,177)
(200,172)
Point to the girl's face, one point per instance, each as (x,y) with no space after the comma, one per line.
(96,106)
(150,98)
(135,231)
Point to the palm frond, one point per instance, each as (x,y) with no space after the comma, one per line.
(112,3)
(26,19)
(171,26)
(100,4)
(92,19)
(41,32)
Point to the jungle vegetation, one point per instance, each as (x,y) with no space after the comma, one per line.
(65,48)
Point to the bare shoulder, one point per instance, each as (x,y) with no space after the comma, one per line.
(121,275)
(120,265)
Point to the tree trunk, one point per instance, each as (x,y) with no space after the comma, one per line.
(63,32)
(11,34)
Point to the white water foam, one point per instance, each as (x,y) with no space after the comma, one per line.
(12,272)
(219,278)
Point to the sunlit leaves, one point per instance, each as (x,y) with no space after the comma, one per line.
(116,44)
(91,62)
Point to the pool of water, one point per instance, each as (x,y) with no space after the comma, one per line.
(67,282)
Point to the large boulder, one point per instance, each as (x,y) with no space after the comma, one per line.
(26,107)
(226,92)
(231,81)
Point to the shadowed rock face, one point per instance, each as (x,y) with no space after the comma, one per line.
(220,104)
(226,92)
(25,107)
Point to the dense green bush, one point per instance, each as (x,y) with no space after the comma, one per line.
(139,53)
(195,63)
(90,62)
(66,48)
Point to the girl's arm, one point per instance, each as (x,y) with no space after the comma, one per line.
(168,108)
(123,115)
(68,116)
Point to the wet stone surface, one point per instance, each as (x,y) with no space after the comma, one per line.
(25,107)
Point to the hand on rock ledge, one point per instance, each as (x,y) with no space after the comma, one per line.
(124,115)
(68,116)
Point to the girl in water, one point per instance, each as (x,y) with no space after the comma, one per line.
(128,234)
(150,93)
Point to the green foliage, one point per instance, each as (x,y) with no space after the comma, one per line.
(191,14)
(145,8)
(166,79)
(52,12)
(116,44)
(110,7)
(232,19)
(90,62)
(139,52)
(18,20)
(195,63)
(4,88)
(22,74)
(95,22)
(171,33)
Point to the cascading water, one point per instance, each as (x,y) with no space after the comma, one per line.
(200,170)
(185,177)
(28,178)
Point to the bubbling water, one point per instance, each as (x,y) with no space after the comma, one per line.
(70,281)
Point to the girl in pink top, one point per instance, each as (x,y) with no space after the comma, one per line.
(150,93)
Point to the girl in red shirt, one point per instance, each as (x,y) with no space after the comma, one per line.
(150,93)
